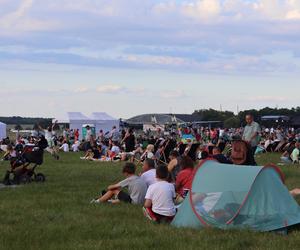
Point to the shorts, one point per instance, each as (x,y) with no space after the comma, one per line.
(124,197)
(148,213)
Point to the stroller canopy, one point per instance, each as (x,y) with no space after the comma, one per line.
(238,197)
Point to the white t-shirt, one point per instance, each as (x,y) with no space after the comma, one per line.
(65,147)
(115,149)
(75,147)
(162,195)
(149,177)
(150,155)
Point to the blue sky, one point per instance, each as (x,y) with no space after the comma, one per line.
(131,57)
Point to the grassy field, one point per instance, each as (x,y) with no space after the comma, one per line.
(57,215)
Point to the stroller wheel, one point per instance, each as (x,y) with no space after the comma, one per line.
(40,178)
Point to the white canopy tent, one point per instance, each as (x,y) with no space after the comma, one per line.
(2,130)
(99,120)
(77,120)
(104,122)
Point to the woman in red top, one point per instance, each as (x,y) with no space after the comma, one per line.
(76,134)
(185,176)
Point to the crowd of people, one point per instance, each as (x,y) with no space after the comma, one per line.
(168,162)
(163,184)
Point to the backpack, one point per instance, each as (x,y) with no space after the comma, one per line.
(239,152)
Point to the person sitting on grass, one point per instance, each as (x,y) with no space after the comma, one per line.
(149,172)
(286,156)
(159,205)
(184,178)
(173,166)
(65,147)
(114,151)
(295,154)
(149,153)
(75,146)
(10,154)
(217,155)
(137,189)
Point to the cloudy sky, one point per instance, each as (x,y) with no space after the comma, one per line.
(128,57)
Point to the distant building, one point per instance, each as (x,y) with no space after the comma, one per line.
(154,121)
(275,121)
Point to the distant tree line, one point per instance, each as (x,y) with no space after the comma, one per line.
(19,121)
(232,120)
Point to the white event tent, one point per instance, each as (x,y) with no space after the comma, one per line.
(98,120)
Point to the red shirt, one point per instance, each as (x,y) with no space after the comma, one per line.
(184,180)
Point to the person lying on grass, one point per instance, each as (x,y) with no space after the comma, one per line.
(137,189)
(159,205)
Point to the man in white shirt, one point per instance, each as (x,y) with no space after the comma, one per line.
(65,147)
(75,146)
(159,205)
(149,172)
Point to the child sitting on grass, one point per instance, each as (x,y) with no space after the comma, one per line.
(137,189)
(184,178)
(159,205)
(295,154)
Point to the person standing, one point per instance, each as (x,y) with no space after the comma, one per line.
(251,135)
(115,135)
(129,141)
(50,137)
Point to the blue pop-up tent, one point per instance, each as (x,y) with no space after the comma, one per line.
(238,197)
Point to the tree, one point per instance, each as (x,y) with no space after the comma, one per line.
(214,115)
(36,127)
(233,122)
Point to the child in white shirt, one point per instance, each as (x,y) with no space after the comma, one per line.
(65,147)
(159,205)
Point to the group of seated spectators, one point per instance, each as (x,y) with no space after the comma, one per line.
(157,188)
(167,175)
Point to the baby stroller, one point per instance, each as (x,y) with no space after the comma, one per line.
(20,171)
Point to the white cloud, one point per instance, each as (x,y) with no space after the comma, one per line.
(230,10)
(157,60)
(202,9)
(19,20)
(110,89)
(81,89)
(293,14)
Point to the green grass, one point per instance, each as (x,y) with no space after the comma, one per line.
(57,215)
